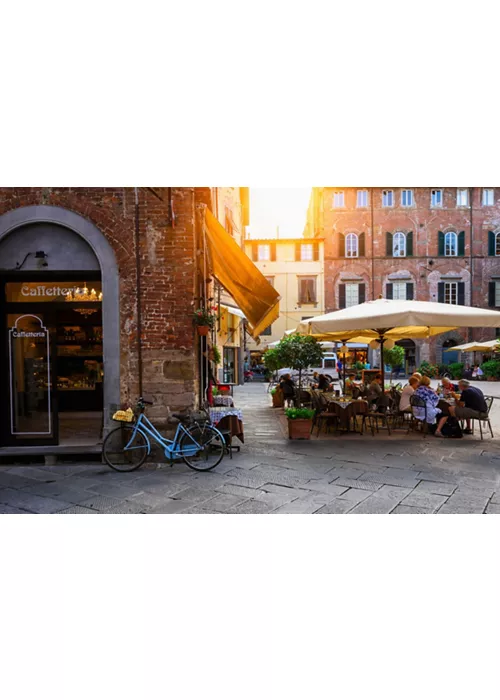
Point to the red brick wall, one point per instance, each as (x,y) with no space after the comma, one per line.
(168,278)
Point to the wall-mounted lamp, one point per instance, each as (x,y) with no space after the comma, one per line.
(39,255)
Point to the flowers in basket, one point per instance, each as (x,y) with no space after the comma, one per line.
(205,317)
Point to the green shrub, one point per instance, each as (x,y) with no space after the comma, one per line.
(491,368)
(456,370)
(442,368)
(428,370)
(273,391)
(296,413)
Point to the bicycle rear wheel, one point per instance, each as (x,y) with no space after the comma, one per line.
(121,459)
(206,444)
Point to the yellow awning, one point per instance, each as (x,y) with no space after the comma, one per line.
(258,299)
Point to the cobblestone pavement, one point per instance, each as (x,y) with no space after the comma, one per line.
(349,474)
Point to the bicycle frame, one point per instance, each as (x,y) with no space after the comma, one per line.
(171,447)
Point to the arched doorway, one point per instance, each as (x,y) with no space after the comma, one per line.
(410,363)
(450,356)
(54,390)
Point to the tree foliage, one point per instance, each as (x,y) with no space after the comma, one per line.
(299,352)
(394,357)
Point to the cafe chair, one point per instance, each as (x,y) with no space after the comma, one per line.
(322,415)
(489,403)
(416,423)
(380,416)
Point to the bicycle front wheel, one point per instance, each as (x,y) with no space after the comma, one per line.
(204,447)
(119,454)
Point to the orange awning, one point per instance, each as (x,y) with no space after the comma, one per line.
(258,299)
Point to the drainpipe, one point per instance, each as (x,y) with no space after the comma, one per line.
(372,237)
(471,195)
(138,286)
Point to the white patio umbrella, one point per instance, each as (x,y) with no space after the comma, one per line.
(388,319)
(476,346)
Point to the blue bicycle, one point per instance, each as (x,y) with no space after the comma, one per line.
(197,442)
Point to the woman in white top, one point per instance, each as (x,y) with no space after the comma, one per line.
(407,393)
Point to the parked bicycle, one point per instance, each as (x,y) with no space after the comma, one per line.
(196,441)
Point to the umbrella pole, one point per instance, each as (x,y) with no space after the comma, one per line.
(382,340)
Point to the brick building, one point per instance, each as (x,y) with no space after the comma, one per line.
(97,292)
(431,244)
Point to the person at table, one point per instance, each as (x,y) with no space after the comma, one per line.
(406,394)
(287,386)
(472,404)
(429,395)
(375,390)
(350,383)
(477,372)
(323,383)
(448,386)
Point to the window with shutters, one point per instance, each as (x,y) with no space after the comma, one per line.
(338,200)
(351,295)
(351,246)
(436,198)
(488,198)
(306,252)
(451,244)
(399,245)
(497,294)
(406,198)
(497,243)
(451,292)
(307,290)
(462,197)
(399,291)
(362,198)
(387,198)
(263,252)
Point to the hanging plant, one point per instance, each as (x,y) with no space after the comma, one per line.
(204,317)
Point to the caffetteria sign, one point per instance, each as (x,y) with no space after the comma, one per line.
(34,291)
(43,291)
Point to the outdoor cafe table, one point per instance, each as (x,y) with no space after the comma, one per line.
(223,401)
(341,407)
(229,419)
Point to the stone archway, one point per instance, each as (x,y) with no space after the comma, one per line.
(447,340)
(101,248)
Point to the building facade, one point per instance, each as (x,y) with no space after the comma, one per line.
(97,292)
(294,267)
(431,244)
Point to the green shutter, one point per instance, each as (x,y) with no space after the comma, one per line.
(441,292)
(461,243)
(388,290)
(388,244)
(491,243)
(341,296)
(492,294)
(409,291)
(409,244)
(440,243)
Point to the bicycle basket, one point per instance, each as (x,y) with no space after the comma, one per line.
(124,416)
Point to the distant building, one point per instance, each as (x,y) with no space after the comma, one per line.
(432,244)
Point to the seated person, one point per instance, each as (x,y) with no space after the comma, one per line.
(408,391)
(323,383)
(431,399)
(472,404)
(477,372)
(375,390)
(287,386)
(448,386)
(350,383)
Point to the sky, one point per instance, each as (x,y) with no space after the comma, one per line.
(278,206)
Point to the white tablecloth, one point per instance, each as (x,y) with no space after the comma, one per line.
(217,414)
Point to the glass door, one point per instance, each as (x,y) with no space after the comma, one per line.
(31,411)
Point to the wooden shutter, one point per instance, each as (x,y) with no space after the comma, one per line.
(362,293)
(441,292)
(361,245)
(341,246)
(388,244)
(409,243)
(302,290)
(461,293)
(409,291)
(341,296)
(491,243)
(461,243)
(316,251)
(440,243)
(492,288)
(388,290)
(273,251)
(298,251)
(311,291)
(255,252)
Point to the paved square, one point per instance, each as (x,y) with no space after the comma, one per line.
(401,474)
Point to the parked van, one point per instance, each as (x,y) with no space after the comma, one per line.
(328,366)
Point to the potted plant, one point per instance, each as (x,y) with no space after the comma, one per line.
(300,422)
(491,370)
(394,358)
(277,396)
(204,320)
(456,370)
(428,370)
(215,355)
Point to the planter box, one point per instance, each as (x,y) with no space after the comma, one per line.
(299,429)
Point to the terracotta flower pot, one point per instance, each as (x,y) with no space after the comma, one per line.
(202,330)
(299,429)
(278,400)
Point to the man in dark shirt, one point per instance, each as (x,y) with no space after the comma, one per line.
(472,403)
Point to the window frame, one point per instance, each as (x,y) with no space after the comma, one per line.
(362,206)
(385,193)
(314,279)
(348,237)
(263,245)
(434,192)
(461,191)
(455,254)
(338,193)
(411,204)
(448,287)
(400,285)
(351,286)
(497,244)
(488,204)
(394,238)
(306,245)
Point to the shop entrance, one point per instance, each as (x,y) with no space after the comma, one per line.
(51,340)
